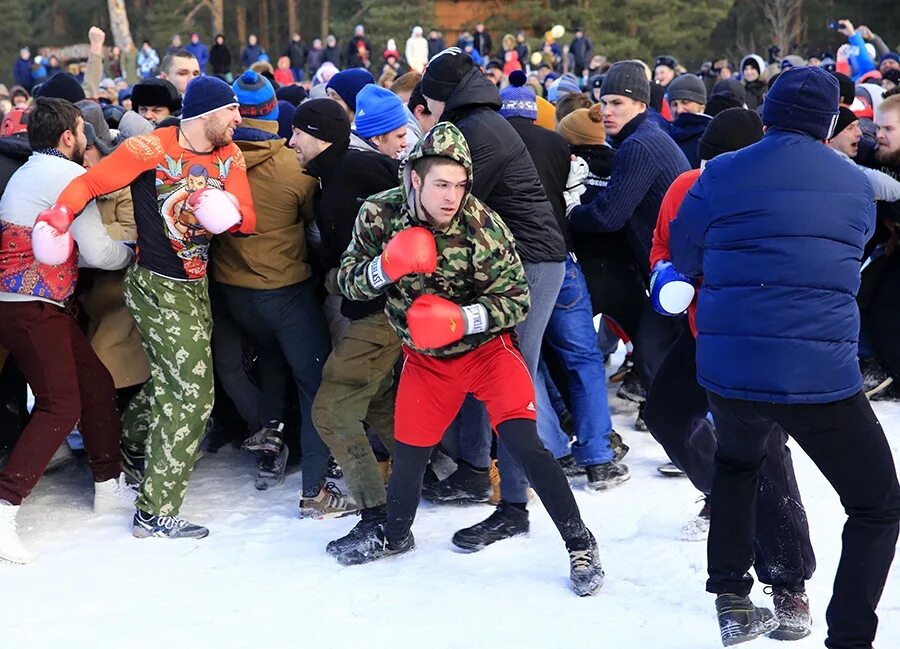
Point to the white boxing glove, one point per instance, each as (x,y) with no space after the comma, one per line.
(217,211)
(578,172)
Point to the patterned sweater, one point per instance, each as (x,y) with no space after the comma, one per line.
(477,261)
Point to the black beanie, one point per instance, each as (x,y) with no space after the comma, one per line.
(730,130)
(324,119)
(61,85)
(732,86)
(628,79)
(848,88)
(722,101)
(444,72)
(292,93)
(845,118)
(156,92)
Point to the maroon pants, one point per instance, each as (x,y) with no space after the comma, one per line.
(69,383)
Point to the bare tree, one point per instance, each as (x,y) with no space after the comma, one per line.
(118,20)
(781,17)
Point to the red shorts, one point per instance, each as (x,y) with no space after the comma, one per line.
(432,390)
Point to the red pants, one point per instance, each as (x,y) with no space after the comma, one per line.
(432,390)
(69,383)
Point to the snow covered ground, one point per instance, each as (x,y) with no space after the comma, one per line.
(262,577)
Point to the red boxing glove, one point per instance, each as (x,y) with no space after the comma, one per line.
(436,322)
(410,251)
(59,217)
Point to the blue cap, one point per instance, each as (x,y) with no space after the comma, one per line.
(378,111)
(348,83)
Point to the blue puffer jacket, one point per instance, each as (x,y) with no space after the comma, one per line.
(777,231)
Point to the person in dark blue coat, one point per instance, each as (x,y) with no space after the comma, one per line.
(777,230)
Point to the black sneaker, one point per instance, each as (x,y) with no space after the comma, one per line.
(505,522)
(465,485)
(569,466)
(372,546)
(133,463)
(268,439)
(792,611)
(740,620)
(272,467)
(334,470)
(669,470)
(619,375)
(619,447)
(166,527)
(371,518)
(585,570)
(604,476)
(632,389)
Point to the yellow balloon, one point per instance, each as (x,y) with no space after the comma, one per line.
(558,31)
(535,58)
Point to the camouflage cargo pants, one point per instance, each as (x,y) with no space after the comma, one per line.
(168,416)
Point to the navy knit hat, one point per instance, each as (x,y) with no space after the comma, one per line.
(803,99)
(61,85)
(348,83)
(378,111)
(518,99)
(257,96)
(628,79)
(323,119)
(293,94)
(205,95)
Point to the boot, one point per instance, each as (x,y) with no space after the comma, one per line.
(619,447)
(585,571)
(603,476)
(740,620)
(372,546)
(114,495)
(11,548)
(792,611)
(505,522)
(465,485)
(371,517)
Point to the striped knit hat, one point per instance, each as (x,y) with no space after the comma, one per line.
(518,99)
(257,96)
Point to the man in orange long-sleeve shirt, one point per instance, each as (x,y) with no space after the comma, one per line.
(166,291)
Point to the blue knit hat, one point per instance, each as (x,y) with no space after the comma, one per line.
(348,83)
(803,99)
(257,96)
(205,95)
(378,111)
(565,85)
(518,99)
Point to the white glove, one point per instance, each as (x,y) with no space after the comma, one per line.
(578,172)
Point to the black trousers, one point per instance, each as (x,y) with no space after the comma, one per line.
(13,404)
(881,314)
(675,413)
(846,442)
(526,449)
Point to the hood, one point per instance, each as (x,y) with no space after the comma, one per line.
(689,125)
(443,140)
(756,58)
(360,143)
(258,140)
(472,91)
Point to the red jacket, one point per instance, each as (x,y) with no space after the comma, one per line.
(668,210)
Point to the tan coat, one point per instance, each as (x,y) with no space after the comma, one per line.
(110,327)
(276,255)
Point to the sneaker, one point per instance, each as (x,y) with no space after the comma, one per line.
(619,447)
(569,466)
(334,470)
(11,548)
(670,470)
(585,570)
(465,485)
(371,517)
(506,522)
(133,463)
(272,467)
(792,611)
(619,375)
(697,529)
(330,502)
(114,495)
(373,546)
(632,389)
(268,439)
(165,527)
(740,620)
(603,476)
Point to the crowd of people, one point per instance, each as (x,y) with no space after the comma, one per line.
(375,273)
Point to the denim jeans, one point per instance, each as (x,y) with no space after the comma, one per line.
(288,322)
(549,430)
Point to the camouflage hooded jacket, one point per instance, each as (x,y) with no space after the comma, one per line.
(477,260)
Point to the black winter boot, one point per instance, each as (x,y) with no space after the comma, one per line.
(740,620)
(506,522)
(465,485)
(370,518)
(372,546)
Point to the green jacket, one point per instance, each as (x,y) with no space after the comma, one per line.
(477,260)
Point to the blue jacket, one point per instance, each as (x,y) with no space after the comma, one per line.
(777,230)
(200,51)
(686,130)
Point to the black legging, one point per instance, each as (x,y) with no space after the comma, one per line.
(521,440)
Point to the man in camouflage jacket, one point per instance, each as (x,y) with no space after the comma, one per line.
(455,289)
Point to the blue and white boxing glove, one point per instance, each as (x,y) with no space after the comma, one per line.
(671,291)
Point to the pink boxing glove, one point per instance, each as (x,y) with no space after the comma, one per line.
(215,209)
(51,241)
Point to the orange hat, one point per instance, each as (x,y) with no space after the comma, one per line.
(583,126)
(546,114)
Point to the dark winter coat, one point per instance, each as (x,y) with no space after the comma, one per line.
(201,52)
(435,45)
(686,130)
(314,59)
(777,230)
(549,152)
(755,90)
(348,177)
(333,54)
(505,176)
(647,161)
(581,48)
(251,55)
(297,52)
(483,43)
(14,152)
(22,73)
(220,59)
(352,52)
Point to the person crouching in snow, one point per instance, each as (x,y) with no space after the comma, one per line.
(455,290)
